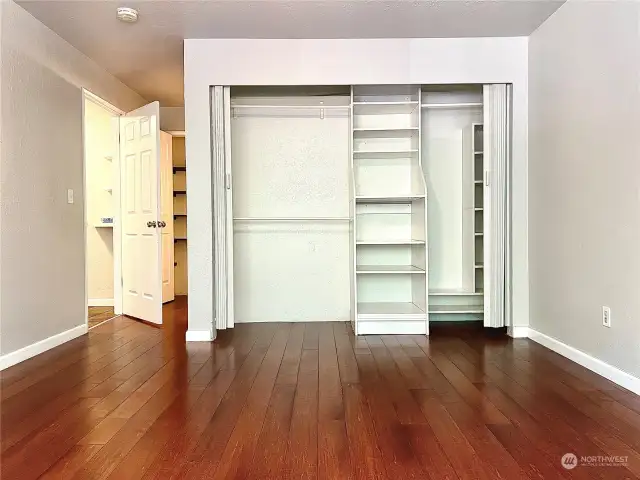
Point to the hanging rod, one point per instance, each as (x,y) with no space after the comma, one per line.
(326,107)
(292,219)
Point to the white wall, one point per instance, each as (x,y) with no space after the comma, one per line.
(584,179)
(42,250)
(342,62)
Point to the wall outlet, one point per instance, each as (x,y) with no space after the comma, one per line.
(606,317)
(70,196)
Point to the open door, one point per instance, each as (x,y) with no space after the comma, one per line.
(140,213)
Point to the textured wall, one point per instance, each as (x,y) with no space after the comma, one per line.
(584,179)
(42,244)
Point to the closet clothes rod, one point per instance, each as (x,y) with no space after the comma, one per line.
(292,219)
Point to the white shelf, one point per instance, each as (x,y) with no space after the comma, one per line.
(387,199)
(387,309)
(448,293)
(452,105)
(367,269)
(478,209)
(390,242)
(456,309)
(383,108)
(478,153)
(388,131)
(478,266)
(478,182)
(103,225)
(478,234)
(385,154)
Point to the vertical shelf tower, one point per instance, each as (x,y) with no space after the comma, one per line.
(389,206)
(478,204)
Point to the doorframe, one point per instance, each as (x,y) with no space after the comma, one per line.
(88,96)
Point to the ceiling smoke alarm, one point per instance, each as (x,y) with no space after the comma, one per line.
(127,15)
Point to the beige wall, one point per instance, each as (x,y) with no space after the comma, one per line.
(99,142)
(42,249)
(584,179)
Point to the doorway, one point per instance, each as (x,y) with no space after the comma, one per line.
(128,203)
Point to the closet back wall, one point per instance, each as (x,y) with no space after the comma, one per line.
(343,62)
(289,167)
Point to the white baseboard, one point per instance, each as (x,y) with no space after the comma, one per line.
(610,372)
(100,302)
(405,327)
(200,335)
(518,332)
(37,348)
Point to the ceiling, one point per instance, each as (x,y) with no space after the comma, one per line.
(148,56)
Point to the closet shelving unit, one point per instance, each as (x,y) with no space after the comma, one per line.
(478,204)
(389,209)
(466,302)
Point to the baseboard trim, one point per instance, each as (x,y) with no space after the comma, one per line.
(518,332)
(603,369)
(13,358)
(101,302)
(200,335)
(406,327)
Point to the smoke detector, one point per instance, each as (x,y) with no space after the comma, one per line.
(127,15)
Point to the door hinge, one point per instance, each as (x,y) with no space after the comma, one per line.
(486,178)
(228,181)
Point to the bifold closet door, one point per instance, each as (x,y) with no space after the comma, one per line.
(222,206)
(497,134)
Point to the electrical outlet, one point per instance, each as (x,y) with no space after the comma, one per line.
(70,196)
(606,317)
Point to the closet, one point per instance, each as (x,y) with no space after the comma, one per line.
(382,205)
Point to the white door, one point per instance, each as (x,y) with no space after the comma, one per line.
(140,213)
(166,215)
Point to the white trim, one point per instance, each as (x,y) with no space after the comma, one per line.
(101,302)
(200,335)
(518,332)
(396,327)
(101,102)
(610,372)
(37,348)
(176,133)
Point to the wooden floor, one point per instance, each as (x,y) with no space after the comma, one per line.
(308,401)
(97,315)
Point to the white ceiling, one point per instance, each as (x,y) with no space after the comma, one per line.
(147,56)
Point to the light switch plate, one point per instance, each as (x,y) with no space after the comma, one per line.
(70,196)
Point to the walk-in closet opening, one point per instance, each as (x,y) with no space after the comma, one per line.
(382,205)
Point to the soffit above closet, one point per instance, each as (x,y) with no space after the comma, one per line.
(148,56)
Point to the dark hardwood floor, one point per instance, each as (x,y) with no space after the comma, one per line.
(308,401)
(97,315)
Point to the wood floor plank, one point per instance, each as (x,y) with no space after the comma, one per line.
(308,401)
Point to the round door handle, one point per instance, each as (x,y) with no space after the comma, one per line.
(151,224)
(162,224)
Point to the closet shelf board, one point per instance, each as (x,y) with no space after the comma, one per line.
(370,269)
(390,242)
(389,199)
(384,310)
(456,309)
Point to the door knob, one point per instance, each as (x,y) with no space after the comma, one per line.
(151,224)
(162,224)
